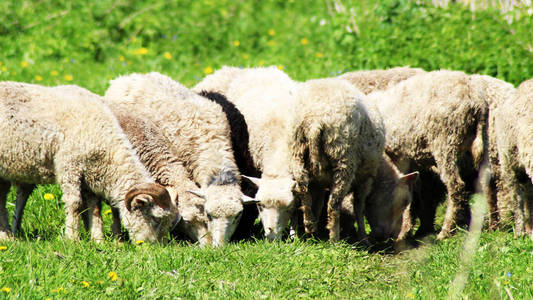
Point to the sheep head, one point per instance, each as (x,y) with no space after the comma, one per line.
(387,202)
(223,207)
(275,202)
(154,209)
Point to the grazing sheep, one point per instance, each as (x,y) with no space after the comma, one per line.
(65,135)
(198,133)
(368,81)
(339,140)
(514,128)
(243,158)
(495,92)
(167,170)
(431,122)
(260,95)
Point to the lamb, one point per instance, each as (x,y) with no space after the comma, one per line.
(368,81)
(261,96)
(63,135)
(444,120)
(514,125)
(198,133)
(340,140)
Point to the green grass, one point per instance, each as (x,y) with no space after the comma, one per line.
(88,43)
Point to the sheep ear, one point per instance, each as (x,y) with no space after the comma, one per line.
(249,200)
(140,201)
(173,192)
(410,178)
(198,193)
(254,180)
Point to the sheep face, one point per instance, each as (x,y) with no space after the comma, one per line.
(194,219)
(151,212)
(386,204)
(276,204)
(223,207)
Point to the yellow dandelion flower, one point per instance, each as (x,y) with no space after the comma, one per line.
(4,69)
(113,275)
(261,62)
(14,72)
(2,248)
(280,67)
(410,296)
(121,58)
(99,282)
(107,212)
(5,289)
(68,77)
(208,70)
(86,284)
(139,242)
(506,282)
(245,56)
(319,54)
(48,196)
(271,32)
(304,41)
(236,43)
(47,298)
(38,78)
(133,39)
(54,73)
(140,51)
(271,43)
(58,290)
(24,64)
(167,55)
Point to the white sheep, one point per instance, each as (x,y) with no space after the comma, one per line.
(368,81)
(63,135)
(152,148)
(514,128)
(339,140)
(198,133)
(432,121)
(495,92)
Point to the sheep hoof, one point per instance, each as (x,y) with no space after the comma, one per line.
(443,235)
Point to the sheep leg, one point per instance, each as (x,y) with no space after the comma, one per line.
(73,207)
(309,219)
(363,190)
(93,217)
(492,201)
(115,227)
(457,202)
(5,232)
(528,208)
(23,193)
(339,190)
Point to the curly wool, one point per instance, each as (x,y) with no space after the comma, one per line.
(432,120)
(368,81)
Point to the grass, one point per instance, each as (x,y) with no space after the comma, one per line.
(88,43)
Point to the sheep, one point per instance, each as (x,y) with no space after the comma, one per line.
(167,170)
(495,92)
(514,125)
(243,158)
(368,81)
(261,96)
(198,133)
(431,122)
(339,139)
(63,135)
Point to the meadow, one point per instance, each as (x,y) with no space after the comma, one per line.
(88,43)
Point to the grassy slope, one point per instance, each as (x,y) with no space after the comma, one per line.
(59,42)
